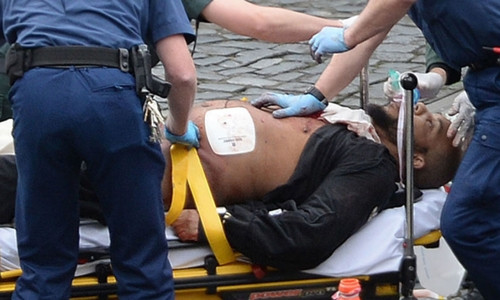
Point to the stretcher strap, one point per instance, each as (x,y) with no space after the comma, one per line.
(10,274)
(186,166)
(179,183)
(431,237)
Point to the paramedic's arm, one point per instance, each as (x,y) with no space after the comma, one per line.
(378,16)
(272,24)
(344,67)
(435,64)
(339,73)
(437,74)
(181,73)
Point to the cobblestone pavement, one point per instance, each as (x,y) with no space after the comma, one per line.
(231,66)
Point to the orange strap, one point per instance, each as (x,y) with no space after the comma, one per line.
(186,167)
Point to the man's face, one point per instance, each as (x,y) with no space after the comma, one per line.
(429,129)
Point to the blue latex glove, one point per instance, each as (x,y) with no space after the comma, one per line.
(328,41)
(190,138)
(292,105)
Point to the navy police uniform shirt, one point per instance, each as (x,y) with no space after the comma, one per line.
(458,29)
(59,23)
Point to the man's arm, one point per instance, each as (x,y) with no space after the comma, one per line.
(435,64)
(437,74)
(181,73)
(344,67)
(339,73)
(373,24)
(378,16)
(271,24)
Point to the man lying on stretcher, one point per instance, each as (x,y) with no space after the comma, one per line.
(307,185)
(325,190)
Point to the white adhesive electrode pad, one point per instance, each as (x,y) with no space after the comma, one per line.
(230,130)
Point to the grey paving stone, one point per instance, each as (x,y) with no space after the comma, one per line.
(234,66)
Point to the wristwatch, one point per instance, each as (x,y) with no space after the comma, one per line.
(318,94)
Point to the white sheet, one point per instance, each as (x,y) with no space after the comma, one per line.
(378,246)
(375,248)
(6,140)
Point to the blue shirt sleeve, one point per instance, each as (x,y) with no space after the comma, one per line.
(169,18)
(110,23)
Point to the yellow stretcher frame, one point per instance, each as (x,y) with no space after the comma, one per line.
(235,280)
(223,277)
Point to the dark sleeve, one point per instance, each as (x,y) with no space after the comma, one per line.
(194,8)
(8,187)
(432,60)
(89,203)
(295,233)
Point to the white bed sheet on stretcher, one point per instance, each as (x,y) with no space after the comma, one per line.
(6,140)
(376,248)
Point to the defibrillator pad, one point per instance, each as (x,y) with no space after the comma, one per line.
(230,130)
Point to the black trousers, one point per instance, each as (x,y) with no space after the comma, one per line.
(339,181)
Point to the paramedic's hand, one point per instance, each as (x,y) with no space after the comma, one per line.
(291,105)
(462,124)
(429,84)
(328,41)
(190,138)
(187,225)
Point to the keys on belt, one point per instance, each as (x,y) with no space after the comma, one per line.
(154,118)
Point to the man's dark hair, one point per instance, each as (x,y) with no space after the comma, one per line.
(440,167)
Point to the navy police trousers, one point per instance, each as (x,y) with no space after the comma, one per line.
(63,117)
(471,216)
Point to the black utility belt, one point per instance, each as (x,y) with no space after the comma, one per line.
(490,63)
(136,61)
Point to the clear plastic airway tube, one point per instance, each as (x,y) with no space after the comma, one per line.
(395,79)
(402,115)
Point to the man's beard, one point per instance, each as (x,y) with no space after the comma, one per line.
(384,122)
